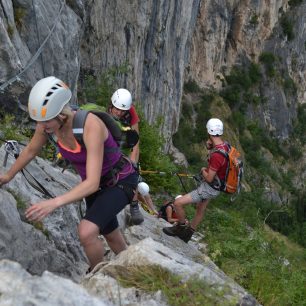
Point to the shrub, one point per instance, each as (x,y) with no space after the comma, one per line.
(289,86)
(287,27)
(100,89)
(254,73)
(264,264)
(9,128)
(191,87)
(300,124)
(295,2)
(153,158)
(254,20)
(268,59)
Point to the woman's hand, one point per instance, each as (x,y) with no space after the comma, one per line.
(40,210)
(5,178)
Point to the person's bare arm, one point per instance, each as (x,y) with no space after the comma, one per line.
(95,133)
(27,154)
(134,156)
(94,136)
(149,202)
(208,174)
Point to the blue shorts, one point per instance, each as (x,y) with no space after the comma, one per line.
(104,205)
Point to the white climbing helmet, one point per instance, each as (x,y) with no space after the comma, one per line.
(143,188)
(214,127)
(122,99)
(178,196)
(47,98)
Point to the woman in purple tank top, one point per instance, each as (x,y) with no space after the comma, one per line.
(108,181)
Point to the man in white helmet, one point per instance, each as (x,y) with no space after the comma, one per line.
(212,175)
(122,109)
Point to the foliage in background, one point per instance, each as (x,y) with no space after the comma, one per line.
(300,124)
(9,129)
(270,267)
(152,158)
(188,135)
(287,26)
(295,2)
(100,89)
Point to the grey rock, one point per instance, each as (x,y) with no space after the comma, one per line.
(19,288)
(52,245)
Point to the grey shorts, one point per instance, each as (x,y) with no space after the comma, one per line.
(203,192)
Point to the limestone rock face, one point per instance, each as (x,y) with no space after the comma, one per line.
(18,287)
(226,31)
(38,38)
(51,245)
(163,44)
(153,38)
(151,253)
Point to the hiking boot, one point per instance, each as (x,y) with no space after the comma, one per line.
(182,231)
(187,234)
(137,217)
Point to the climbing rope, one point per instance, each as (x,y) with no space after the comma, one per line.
(36,55)
(197,178)
(11,147)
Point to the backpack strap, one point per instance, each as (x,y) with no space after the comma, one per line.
(78,125)
(217,183)
(79,122)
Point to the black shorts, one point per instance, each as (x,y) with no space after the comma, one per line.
(104,205)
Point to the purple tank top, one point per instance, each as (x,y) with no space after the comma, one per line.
(110,158)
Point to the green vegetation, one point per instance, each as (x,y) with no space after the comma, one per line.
(21,207)
(21,204)
(295,2)
(254,20)
(192,292)
(300,124)
(10,129)
(268,265)
(100,89)
(10,30)
(19,14)
(153,158)
(238,90)
(239,234)
(268,59)
(40,226)
(191,87)
(287,26)
(188,136)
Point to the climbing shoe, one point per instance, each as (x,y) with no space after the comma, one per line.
(136,216)
(182,231)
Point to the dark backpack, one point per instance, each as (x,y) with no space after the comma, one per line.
(124,136)
(162,211)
